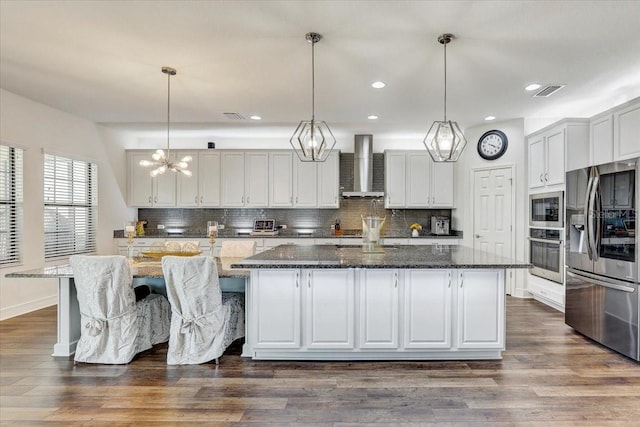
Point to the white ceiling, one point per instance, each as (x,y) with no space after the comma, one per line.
(101,60)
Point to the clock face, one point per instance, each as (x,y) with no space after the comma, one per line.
(492,144)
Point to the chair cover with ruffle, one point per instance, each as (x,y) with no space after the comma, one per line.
(114,326)
(204,322)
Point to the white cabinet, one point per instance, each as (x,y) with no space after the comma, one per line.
(427,308)
(329,181)
(626,131)
(275,303)
(378,303)
(329,300)
(600,139)
(232,177)
(256,184)
(481,321)
(281,179)
(305,184)
(202,189)
(413,180)
(145,191)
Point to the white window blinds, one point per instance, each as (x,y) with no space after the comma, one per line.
(70,206)
(11,198)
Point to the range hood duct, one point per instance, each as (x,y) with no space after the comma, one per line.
(363,168)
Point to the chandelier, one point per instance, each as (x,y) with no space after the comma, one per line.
(445,140)
(160,159)
(313,140)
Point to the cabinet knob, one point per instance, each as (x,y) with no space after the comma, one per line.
(196,199)
(541,180)
(478,236)
(546,177)
(149,199)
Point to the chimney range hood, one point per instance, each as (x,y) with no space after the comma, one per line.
(363,168)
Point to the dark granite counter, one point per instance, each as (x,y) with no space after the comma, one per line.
(401,256)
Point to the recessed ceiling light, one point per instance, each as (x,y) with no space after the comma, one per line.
(488,118)
(372,117)
(378,85)
(532,86)
(256,118)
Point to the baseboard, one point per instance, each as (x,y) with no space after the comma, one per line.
(27,307)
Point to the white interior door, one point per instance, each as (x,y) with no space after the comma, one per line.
(493,212)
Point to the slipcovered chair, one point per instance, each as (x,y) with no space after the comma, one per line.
(204,322)
(115,327)
(237,249)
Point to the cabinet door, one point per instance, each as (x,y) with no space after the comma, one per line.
(481,309)
(140,183)
(395,176)
(329,296)
(164,190)
(442,185)
(418,180)
(427,305)
(555,158)
(601,134)
(256,182)
(232,179)
(281,179)
(187,186)
(536,162)
(209,179)
(305,184)
(275,318)
(626,132)
(378,320)
(329,181)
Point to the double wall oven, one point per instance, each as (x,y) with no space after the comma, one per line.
(546,236)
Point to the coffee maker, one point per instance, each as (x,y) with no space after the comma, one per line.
(439,225)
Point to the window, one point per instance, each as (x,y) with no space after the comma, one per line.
(70,206)
(11,196)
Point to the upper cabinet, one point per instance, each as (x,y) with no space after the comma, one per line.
(626,131)
(547,152)
(236,179)
(600,140)
(414,180)
(145,191)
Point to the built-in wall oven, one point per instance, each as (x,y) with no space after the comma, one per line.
(546,253)
(546,209)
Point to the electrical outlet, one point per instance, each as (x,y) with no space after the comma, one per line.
(220,226)
(160,226)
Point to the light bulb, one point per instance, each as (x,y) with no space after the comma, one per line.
(186,159)
(146,163)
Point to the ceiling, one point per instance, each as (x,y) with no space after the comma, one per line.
(101,60)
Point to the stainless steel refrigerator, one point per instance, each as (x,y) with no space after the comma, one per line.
(602,296)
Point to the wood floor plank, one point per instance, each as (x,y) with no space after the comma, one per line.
(549,376)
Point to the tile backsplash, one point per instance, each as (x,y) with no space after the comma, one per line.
(349,213)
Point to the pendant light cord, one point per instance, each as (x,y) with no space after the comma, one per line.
(445,81)
(313,83)
(168,109)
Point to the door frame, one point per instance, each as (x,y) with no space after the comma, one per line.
(509,275)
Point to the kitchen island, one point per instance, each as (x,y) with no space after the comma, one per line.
(334,302)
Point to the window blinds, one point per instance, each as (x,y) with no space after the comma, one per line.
(11,198)
(70,206)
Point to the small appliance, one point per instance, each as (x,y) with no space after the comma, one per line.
(439,225)
(264,227)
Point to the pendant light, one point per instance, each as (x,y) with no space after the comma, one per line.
(313,140)
(445,140)
(161,160)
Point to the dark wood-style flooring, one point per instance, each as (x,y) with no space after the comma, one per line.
(549,376)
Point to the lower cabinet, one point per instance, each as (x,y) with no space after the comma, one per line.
(336,314)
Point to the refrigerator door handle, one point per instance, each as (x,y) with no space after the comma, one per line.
(594,214)
(600,281)
(598,218)
(587,224)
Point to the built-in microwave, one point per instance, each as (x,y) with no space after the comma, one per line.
(546,209)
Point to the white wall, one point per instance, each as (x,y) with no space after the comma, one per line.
(36,128)
(515,156)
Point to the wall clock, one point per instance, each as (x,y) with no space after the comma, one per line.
(492,144)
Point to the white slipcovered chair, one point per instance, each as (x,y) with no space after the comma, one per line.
(115,327)
(204,321)
(237,249)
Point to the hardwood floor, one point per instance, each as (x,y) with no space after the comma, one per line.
(549,376)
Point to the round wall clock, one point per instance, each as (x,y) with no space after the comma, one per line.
(492,144)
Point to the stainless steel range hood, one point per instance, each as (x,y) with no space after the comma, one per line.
(363,168)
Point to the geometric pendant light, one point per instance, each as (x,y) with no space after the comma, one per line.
(445,141)
(161,160)
(313,140)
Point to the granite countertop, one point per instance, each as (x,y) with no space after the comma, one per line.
(292,234)
(401,256)
(140,268)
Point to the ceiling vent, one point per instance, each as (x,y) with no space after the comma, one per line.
(234,116)
(548,91)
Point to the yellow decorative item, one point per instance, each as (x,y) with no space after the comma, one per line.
(415,226)
(140,228)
